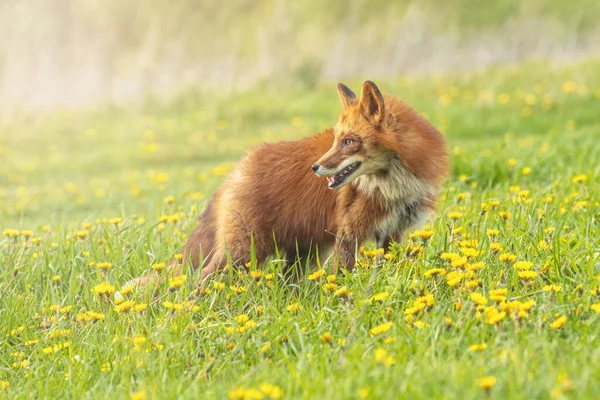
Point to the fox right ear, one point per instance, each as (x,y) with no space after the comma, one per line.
(346,95)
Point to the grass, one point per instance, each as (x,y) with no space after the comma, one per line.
(85,198)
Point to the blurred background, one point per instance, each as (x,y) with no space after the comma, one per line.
(109,106)
(84,52)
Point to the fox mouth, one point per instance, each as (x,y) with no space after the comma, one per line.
(338,179)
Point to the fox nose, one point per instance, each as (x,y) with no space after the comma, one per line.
(315,167)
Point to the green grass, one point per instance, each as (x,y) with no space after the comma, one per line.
(68,172)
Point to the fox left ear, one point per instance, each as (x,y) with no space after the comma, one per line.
(371,103)
(347,96)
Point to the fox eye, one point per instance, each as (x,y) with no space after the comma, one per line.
(348,142)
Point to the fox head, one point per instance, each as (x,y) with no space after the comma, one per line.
(357,148)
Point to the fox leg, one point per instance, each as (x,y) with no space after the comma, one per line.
(344,253)
(384,242)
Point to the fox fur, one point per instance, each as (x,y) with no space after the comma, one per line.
(384,164)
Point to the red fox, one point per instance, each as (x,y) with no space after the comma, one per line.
(384,164)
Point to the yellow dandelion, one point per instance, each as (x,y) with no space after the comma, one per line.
(523,265)
(326,337)
(342,292)
(124,306)
(527,275)
(478,298)
(158,267)
(316,275)
(434,272)
(104,288)
(380,329)
(559,322)
(580,178)
(271,391)
(487,383)
(104,266)
(507,257)
(454,215)
(478,347)
(493,316)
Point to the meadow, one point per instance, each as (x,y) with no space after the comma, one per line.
(497,297)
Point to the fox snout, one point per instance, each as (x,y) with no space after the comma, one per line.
(322,170)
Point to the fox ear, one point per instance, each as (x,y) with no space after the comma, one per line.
(371,103)
(346,95)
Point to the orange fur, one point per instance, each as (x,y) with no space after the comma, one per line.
(273,197)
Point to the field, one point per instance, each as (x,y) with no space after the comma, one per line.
(499,296)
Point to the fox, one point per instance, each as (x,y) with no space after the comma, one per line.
(376,174)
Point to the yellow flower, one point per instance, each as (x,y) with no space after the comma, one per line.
(496,247)
(552,288)
(326,337)
(425,235)
(104,265)
(526,171)
(245,394)
(449,256)
(329,287)
(4,385)
(177,281)
(559,322)
(294,307)
(56,278)
(580,178)
(487,382)
(459,262)
(596,308)
(478,347)
(381,357)
(434,271)
(523,265)
(380,296)
(316,275)
(454,278)
(478,298)
(380,329)
(498,295)
(454,215)
(125,306)
(507,257)
(256,274)
(265,348)
(505,215)
(82,234)
(469,252)
(492,232)
(363,393)
(158,267)
(475,266)
(169,199)
(342,292)
(138,396)
(512,162)
(527,274)
(493,316)
(104,288)
(271,391)
(140,307)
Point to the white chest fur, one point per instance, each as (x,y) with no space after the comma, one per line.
(401,194)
